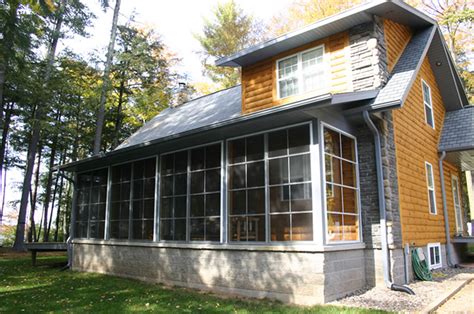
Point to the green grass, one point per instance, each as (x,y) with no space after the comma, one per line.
(45,288)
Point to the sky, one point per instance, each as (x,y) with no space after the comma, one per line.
(174,20)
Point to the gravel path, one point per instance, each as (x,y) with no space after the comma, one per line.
(463,301)
(426,292)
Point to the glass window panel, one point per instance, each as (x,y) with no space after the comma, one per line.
(348,173)
(426,93)
(197,182)
(287,67)
(348,148)
(166,207)
(279,199)
(432,201)
(429,172)
(115,192)
(256,228)
(351,204)
(288,87)
(166,229)
(149,188)
(139,169)
(167,186)
(333,198)
(255,147)
(114,211)
(301,197)
(213,180)
(148,230)
(333,169)
(114,229)
(197,205)
(126,172)
(123,230)
(137,229)
(197,229)
(180,162)
(180,229)
(256,201)
(256,174)
(213,156)
(150,168)
(332,144)
(278,170)
(83,213)
(237,202)
(103,194)
(137,210)
(93,230)
(124,210)
(213,229)
(351,228)
(125,191)
(280,227)
(138,189)
(167,164)
(83,181)
(302,227)
(213,204)
(180,184)
(149,209)
(197,158)
(102,207)
(300,168)
(298,138)
(429,115)
(335,227)
(237,151)
(238,228)
(277,143)
(180,206)
(94,195)
(237,177)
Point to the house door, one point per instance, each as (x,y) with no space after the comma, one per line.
(457,204)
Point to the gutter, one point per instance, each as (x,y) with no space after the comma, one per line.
(382,209)
(445,209)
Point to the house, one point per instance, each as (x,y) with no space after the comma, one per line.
(340,151)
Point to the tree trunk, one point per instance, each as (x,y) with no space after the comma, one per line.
(33,196)
(58,212)
(56,182)
(3,149)
(3,196)
(118,121)
(19,244)
(106,81)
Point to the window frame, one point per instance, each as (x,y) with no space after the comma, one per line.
(267,186)
(434,246)
(299,74)
(433,188)
(188,196)
(324,184)
(458,220)
(429,105)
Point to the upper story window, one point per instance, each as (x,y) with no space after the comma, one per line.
(431,190)
(427,101)
(301,73)
(342,189)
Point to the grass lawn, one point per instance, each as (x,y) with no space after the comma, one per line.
(45,288)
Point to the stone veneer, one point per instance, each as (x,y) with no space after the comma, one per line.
(290,276)
(368,55)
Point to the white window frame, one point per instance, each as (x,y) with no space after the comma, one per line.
(299,73)
(434,246)
(459,220)
(425,104)
(430,188)
(323,179)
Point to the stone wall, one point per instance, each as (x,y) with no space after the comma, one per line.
(368,55)
(293,277)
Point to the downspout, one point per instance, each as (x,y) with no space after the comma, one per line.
(382,209)
(445,210)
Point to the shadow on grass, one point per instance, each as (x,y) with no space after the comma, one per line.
(24,288)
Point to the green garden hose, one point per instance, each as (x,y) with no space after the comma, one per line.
(420,267)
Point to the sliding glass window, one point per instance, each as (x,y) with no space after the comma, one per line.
(191,179)
(269,180)
(342,190)
(91,203)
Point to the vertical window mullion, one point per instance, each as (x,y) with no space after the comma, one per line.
(188,197)
(89,203)
(130,204)
(267,188)
(108,204)
(156,214)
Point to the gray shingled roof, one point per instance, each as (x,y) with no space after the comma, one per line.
(458,130)
(405,70)
(197,113)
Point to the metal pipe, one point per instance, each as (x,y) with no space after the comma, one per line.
(445,209)
(382,209)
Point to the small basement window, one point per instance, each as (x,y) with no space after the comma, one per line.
(434,255)
(431,190)
(429,117)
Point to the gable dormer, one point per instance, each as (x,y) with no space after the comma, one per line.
(355,50)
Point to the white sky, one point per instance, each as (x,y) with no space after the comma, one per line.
(174,20)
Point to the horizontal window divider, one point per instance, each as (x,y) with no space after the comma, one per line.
(342,185)
(341,158)
(246,189)
(342,213)
(290,183)
(204,169)
(247,215)
(205,193)
(289,155)
(246,162)
(290,213)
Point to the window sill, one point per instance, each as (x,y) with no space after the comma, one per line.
(312,248)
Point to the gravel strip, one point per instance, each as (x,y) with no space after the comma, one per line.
(425,292)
